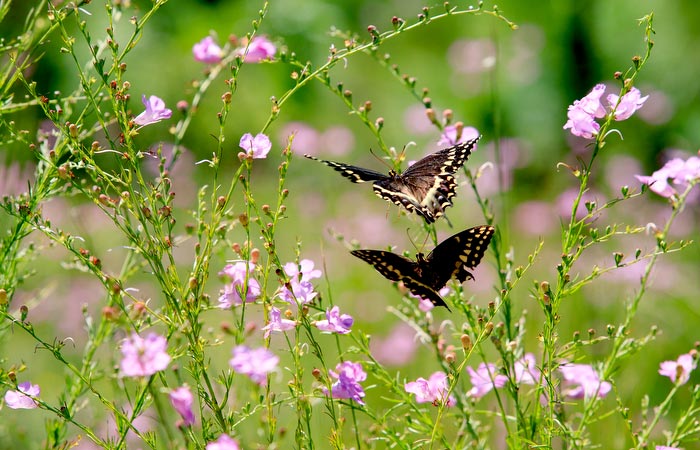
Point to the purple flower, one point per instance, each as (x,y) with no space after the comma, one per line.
(239,273)
(449,135)
(335,322)
(277,323)
(629,103)
(349,375)
(590,104)
(225,442)
(181,398)
(582,381)
(144,357)
(680,172)
(433,390)
(256,364)
(304,271)
(155,111)
(582,114)
(22,397)
(259,49)
(526,371)
(678,371)
(256,147)
(485,378)
(207,51)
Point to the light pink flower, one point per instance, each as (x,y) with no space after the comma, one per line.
(348,375)
(181,398)
(679,370)
(679,172)
(258,147)
(207,51)
(277,323)
(526,371)
(432,390)
(449,135)
(335,322)
(581,123)
(255,363)
(225,442)
(238,274)
(582,381)
(590,104)
(22,397)
(485,378)
(144,357)
(629,103)
(155,111)
(665,447)
(260,49)
(304,271)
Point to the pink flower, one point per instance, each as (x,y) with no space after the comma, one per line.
(207,51)
(277,323)
(629,103)
(300,276)
(348,375)
(256,364)
(526,371)
(665,447)
(258,147)
(181,398)
(225,442)
(335,322)
(449,135)
(396,349)
(304,271)
(155,111)
(239,273)
(485,378)
(582,381)
(260,49)
(433,390)
(680,172)
(590,104)
(581,123)
(678,371)
(144,357)
(22,397)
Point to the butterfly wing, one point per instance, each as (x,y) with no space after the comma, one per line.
(428,186)
(453,256)
(397,268)
(353,173)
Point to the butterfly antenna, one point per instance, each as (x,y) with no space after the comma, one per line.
(447,220)
(380,159)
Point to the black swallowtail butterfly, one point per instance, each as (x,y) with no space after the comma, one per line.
(426,187)
(424,277)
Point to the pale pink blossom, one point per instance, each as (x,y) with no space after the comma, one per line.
(484,379)
(256,147)
(23,397)
(155,111)
(629,103)
(181,398)
(207,51)
(434,390)
(277,323)
(142,357)
(224,442)
(582,381)
(335,322)
(679,370)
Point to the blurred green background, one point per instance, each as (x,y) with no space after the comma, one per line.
(514,86)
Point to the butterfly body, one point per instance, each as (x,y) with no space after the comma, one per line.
(452,258)
(426,187)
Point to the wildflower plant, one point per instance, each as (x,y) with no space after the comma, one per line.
(218,327)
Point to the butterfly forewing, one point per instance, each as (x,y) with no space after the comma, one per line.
(425,188)
(462,251)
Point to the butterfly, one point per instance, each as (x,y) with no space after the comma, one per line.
(426,187)
(424,277)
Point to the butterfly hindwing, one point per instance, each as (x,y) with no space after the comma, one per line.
(426,187)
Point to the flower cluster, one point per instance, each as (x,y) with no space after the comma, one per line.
(209,52)
(144,357)
(582,114)
(299,289)
(241,284)
(348,375)
(680,173)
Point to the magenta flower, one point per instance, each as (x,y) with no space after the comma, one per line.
(207,51)
(155,111)
(335,322)
(225,442)
(348,375)
(304,271)
(238,274)
(449,135)
(254,363)
(260,49)
(277,323)
(582,381)
(144,357)
(681,173)
(526,372)
(22,397)
(485,378)
(629,103)
(678,371)
(432,390)
(181,398)
(256,147)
